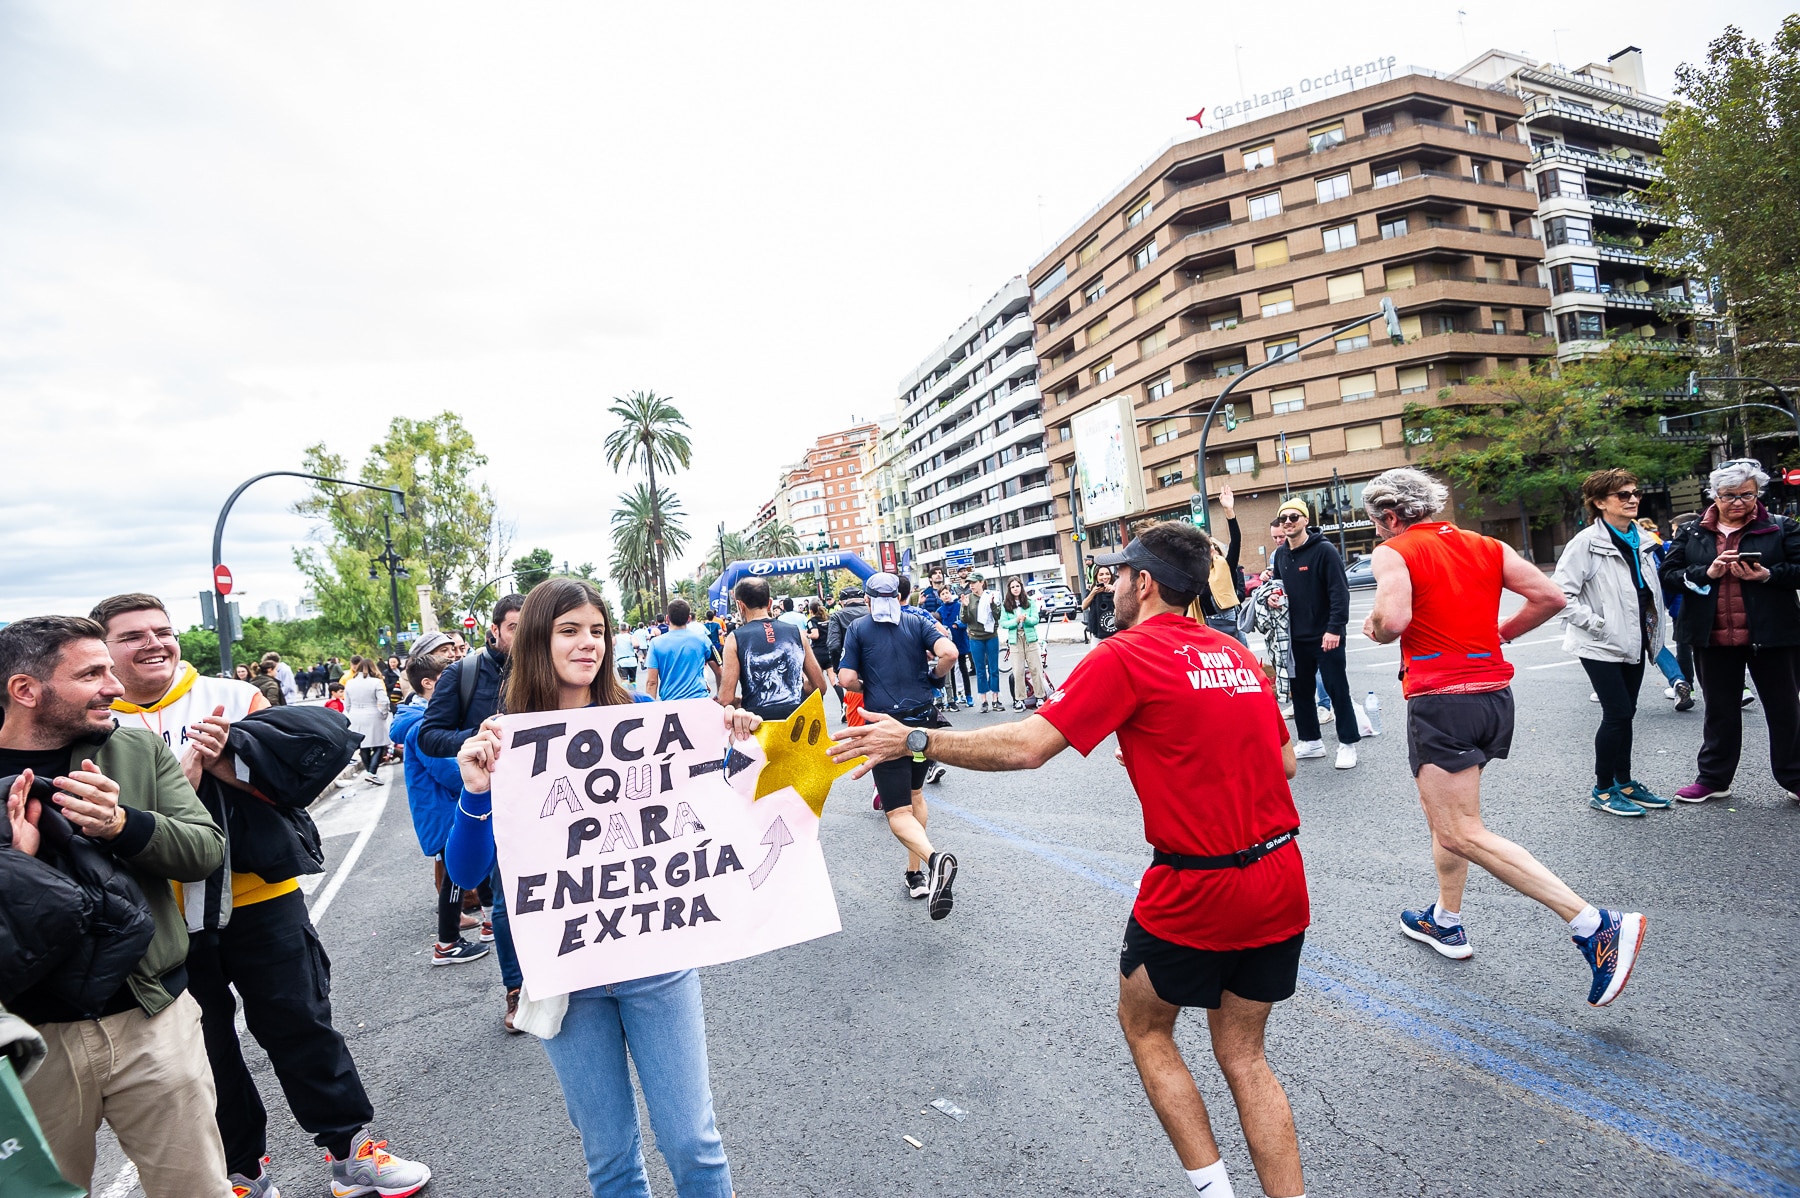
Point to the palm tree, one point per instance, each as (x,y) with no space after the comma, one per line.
(649,435)
(736,548)
(634,563)
(776,539)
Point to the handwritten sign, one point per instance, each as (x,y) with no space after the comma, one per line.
(630,845)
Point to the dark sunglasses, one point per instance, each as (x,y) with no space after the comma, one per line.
(1290,518)
(1628,494)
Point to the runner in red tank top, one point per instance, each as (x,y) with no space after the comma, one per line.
(1437,592)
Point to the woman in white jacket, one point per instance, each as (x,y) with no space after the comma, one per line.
(366,707)
(1614,624)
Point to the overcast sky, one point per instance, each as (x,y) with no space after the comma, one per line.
(228,231)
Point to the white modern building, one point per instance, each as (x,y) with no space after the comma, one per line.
(273,610)
(972,431)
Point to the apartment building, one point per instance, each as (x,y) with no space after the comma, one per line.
(884,490)
(1232,248)
(1596,140)
(972,430)
(823,493)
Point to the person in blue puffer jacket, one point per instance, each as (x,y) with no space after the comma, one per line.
(432,787)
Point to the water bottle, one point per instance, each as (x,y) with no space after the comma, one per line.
(1372,709)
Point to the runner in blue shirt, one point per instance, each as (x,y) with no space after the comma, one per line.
(680,658)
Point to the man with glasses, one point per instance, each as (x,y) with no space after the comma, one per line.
(1318,595)
(1738,569)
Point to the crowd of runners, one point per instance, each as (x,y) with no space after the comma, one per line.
(137,784)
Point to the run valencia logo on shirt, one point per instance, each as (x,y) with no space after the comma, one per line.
(1218,671)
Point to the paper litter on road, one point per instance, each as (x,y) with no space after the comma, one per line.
(913,1142)
(950,1108)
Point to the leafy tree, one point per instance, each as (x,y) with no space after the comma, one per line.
(1731,178)
(649,435)
(531,569)
(300,643)
(635,562)
(736,549)
(450,534)
(776,539)
(1528,440)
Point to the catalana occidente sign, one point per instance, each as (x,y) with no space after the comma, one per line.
(1311,87)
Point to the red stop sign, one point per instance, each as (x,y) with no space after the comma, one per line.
(1791,478)
(222,579)
(469,623)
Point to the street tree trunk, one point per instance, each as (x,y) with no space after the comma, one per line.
(656,539)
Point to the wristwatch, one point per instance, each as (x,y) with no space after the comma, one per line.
(916,740)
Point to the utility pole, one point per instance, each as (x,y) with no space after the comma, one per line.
(1340,500)
(396,570)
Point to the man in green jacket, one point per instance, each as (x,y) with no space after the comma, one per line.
(138,1061)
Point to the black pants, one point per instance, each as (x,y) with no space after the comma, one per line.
(1309,660)
(1617,683)
(271,953)
(1776,671)
(370,758)
(450,905)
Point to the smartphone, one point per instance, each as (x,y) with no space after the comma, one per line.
(1749,557)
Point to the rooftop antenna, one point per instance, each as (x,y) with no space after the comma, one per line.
(1238,53)
(1554,38)
(1464,29)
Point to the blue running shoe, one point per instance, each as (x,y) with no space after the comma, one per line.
(1642,795)
(1613,803)
(1611,952)
(1423,927)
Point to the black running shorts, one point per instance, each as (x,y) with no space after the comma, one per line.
(1194,977)
(896,780)
(1457,732)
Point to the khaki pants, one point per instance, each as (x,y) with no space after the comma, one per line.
(150,1080)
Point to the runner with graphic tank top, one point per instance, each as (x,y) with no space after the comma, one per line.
(771,661)
(1438,594)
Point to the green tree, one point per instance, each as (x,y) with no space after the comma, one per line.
(776,539)
(736,549)
(1527,441)
(649,436)
(450,535)
(300,643)
(635,562)
(1730,188)
(531,569)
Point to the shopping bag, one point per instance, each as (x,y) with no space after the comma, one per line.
(26,1167)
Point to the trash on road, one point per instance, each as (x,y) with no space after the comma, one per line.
(913,1142)
(950,1108)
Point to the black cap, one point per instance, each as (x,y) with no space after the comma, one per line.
(1138,556)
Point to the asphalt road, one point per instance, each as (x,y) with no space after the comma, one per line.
(1409,1074)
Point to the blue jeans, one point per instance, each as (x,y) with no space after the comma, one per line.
(987,664)
(510,976)
(1665,661)
(659,1021)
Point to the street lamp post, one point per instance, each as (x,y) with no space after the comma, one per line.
(397,504)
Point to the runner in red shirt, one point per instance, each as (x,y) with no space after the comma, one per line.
(1222,910)
(1437,592)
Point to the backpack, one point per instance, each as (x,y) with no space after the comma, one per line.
(468,676)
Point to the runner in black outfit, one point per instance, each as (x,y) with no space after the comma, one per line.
(770,660)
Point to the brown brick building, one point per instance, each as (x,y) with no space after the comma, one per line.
(1237,244)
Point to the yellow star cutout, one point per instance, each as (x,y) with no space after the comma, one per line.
(796,751)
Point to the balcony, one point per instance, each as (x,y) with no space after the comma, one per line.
(1625,255)
(1644,132)
(1625,168)
(1630,210)
(1592,85)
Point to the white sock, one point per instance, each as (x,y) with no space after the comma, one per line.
(1446,919)
(1212,1180)
(1586,923)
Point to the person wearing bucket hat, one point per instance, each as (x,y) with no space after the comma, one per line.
(1318,594)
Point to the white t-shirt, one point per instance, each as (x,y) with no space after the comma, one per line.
(171,718)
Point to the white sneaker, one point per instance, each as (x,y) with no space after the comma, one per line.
(1592,697)
(374,779)
(1668,692)
(1310,748)
(1346,758)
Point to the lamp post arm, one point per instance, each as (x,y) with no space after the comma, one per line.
(1790,414)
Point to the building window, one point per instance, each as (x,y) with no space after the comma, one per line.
(1276,303)
(1051,282)
(1344,287)
(1095,293)
(1162,388)
(1418,436)
(1362,436)
(1257,157)
(1097,331)
(1283,400)
(1147,299)
(1265,205)
(1323,137)
(1087,250)
(1064,432)
(1221,320)
(1270,254)
(1139,211)
(1335,187)
(1103,371)
(1391,229)
(1574,276)
(1580,326)
(1354,387)
(1144,255)
(1351,342)
(1226,368)
(1340,237)
(1164,431)
(1559,183)
(1568,230)
(1168,478)
(1296,449)
(1153,343)
(1387,177)
(1479,175)
(1399,277)
(1243,463)
(1414,378)
(1500,328)
(1274,349)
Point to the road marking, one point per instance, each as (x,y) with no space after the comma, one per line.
(330,892)
(1552,665)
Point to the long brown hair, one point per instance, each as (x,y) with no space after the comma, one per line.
(530,683)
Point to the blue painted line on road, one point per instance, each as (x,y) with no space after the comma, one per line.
(1688,1151)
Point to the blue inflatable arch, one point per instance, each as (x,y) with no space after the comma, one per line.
(719,594)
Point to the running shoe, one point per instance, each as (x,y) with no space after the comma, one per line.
(372,1169)
(1642,795)
(936,773)
(1310,748)
(1612,802)
(941,870)
(915,883)
(1699,792)
(1611,952)
(374,779)
(1018,705)
(1668,692)
(1424,927)
(1592,697)
(1346,757)
(1749,698)
(1684,695)
(487,931)
(459,953)
(261,1186)
(512,1012)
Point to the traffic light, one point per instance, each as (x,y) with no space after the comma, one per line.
(234,621)
(1693,382)
(209,612)
(1392,317)
(1231,420)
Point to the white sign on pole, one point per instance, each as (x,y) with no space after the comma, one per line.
(630,845)
(1106,461)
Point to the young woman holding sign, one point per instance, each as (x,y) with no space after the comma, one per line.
(562,658)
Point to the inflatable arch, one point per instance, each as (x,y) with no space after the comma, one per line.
(719,594)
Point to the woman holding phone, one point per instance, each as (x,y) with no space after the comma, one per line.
(561,660)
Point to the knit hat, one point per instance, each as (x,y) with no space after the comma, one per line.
(1295,505)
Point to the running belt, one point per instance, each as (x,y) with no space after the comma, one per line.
(1237,860)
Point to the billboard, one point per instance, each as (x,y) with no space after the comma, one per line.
(1106,461)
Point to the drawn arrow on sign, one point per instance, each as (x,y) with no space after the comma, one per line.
(777,836)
